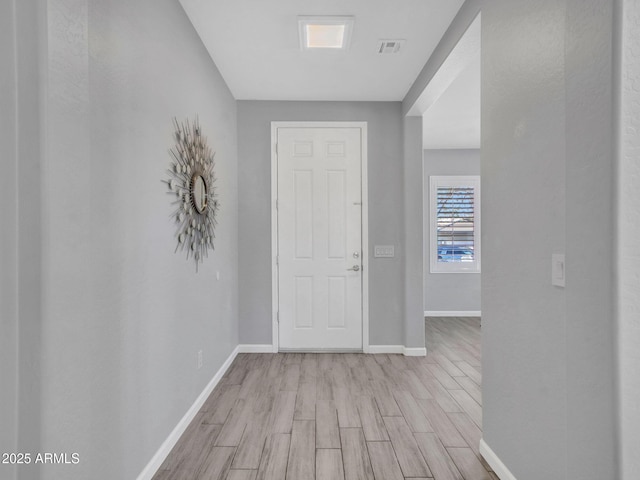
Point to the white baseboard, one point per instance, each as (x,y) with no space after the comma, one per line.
(164,450)
(494,462)
(453,313)
(414,351)
(256,348)
(386,349)
(399,349)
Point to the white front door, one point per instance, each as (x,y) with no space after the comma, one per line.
(319,205)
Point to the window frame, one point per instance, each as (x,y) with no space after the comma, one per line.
(453,181)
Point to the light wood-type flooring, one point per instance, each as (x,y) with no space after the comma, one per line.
(294,416)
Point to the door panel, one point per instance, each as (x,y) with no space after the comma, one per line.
(303,221)
(319,238)
(337,198)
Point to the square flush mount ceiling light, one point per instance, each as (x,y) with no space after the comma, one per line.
(325,32)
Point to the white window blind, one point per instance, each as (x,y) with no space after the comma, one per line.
(455,215)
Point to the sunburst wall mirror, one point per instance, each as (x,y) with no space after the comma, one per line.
(191,183)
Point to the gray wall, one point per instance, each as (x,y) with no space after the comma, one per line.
(386,199)
(413,241)
(30,67)
(628,261)
(548,381)
(448,291)
(8,239)
(591,424)
(110,318)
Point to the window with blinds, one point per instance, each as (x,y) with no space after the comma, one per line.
(455,214)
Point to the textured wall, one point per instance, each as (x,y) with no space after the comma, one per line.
(448,291)
(30,68)
(385,171)
(523,190)
(547,187)
(122,316)
(8,239)
(628,231)
(590,240)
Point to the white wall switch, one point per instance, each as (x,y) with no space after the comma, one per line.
(384,251)
(557,269)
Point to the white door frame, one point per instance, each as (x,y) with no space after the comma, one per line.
(274,223)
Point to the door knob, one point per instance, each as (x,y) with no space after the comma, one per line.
(355,268)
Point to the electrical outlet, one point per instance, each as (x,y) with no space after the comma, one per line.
(199,359)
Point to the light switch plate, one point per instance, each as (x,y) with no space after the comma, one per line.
(557,269)
(384,251)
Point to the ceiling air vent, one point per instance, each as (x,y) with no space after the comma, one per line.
(390,46)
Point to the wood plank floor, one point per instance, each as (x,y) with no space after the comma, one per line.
(294,416)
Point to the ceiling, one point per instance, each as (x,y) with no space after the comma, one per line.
(255,45)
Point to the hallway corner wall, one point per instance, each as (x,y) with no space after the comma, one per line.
(413,234)
(8,238)
(590,215)
(122,316)
(628,231)
(30,74)
(547,180)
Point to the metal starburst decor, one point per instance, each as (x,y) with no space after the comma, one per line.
(191,182)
